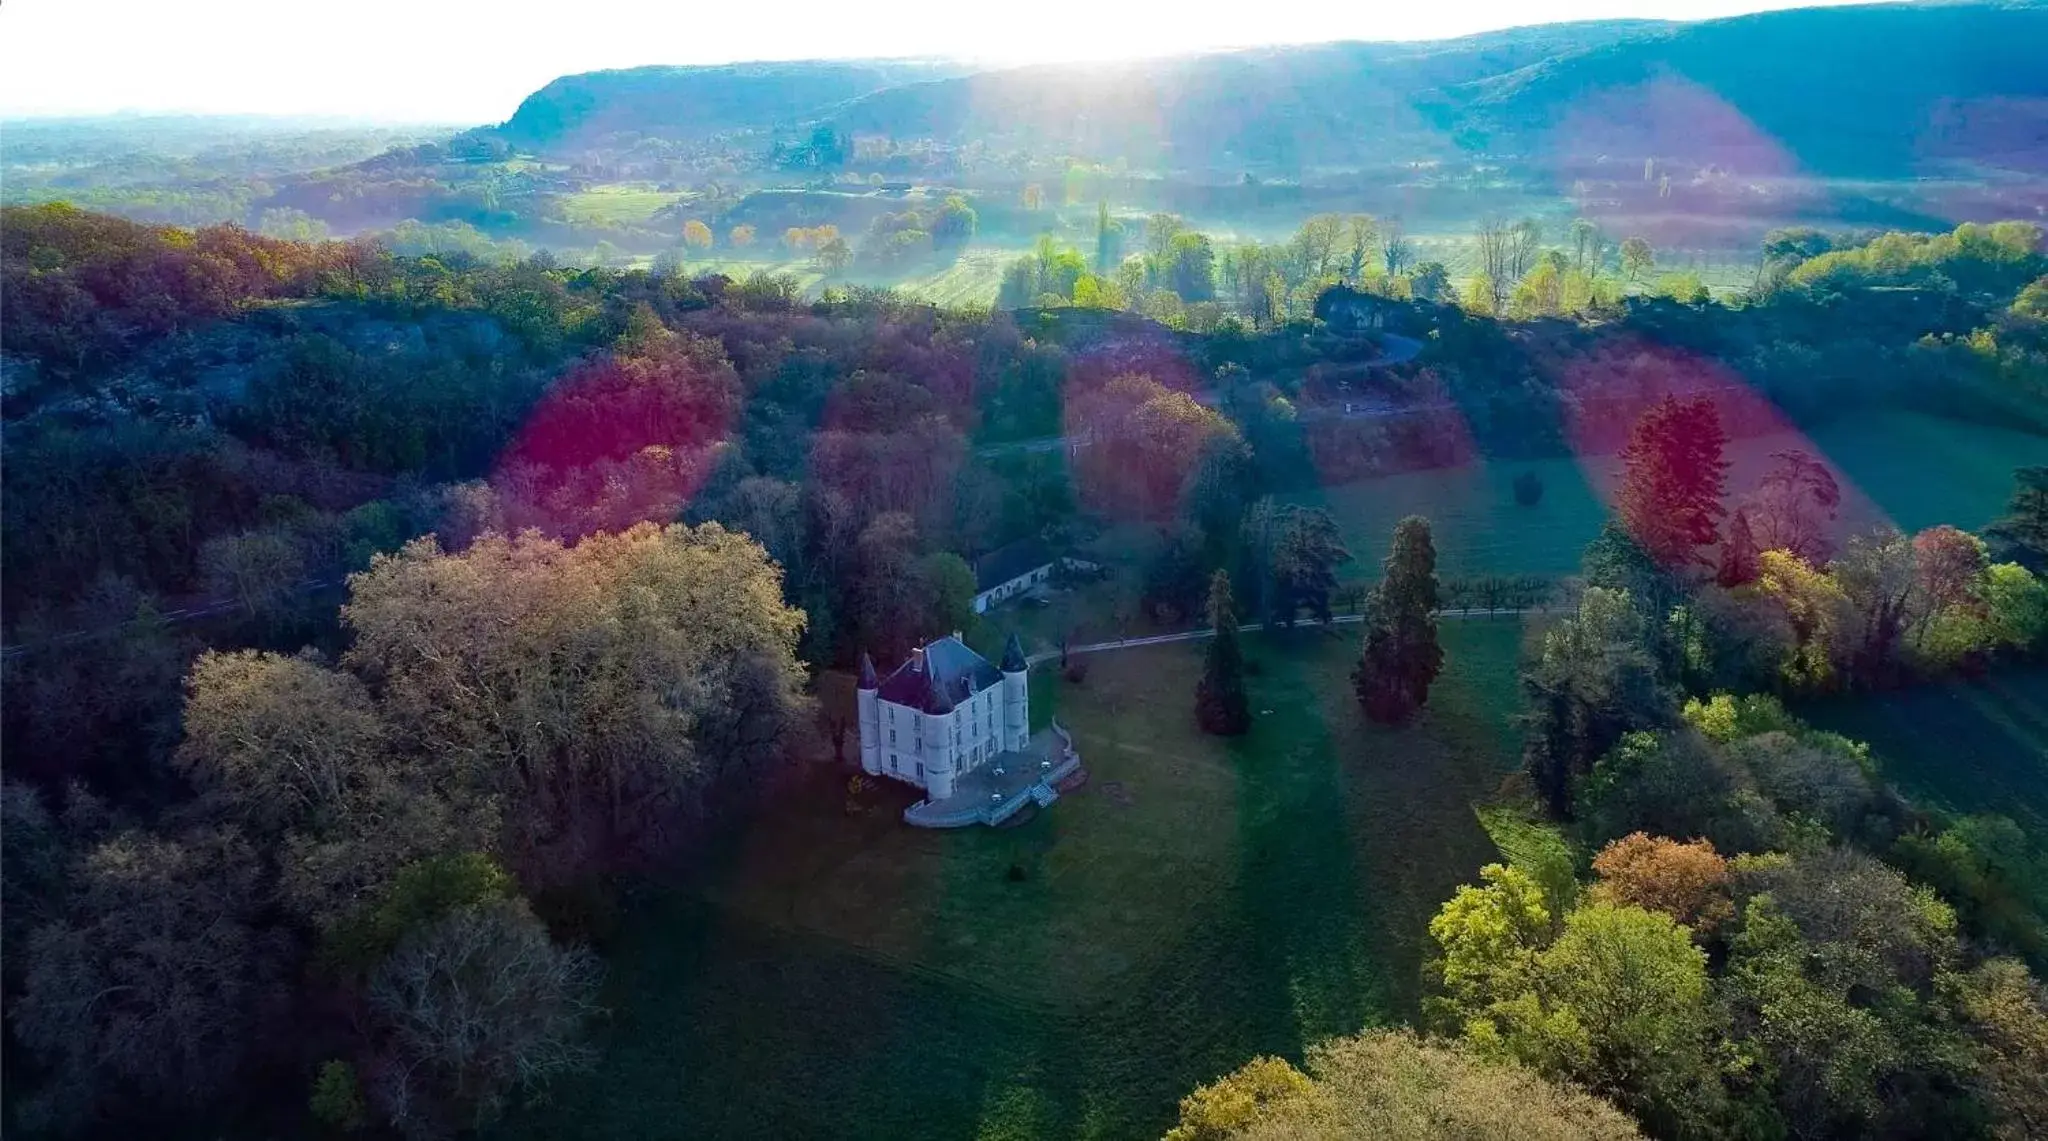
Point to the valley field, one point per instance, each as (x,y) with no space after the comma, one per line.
(1196,902)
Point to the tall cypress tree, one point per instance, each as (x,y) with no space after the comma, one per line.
(1400,657)
(1220,704)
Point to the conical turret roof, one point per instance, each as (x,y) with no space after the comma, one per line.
(1013,655)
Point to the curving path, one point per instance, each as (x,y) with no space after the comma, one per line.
(1248,628)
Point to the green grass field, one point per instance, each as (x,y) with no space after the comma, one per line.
(1911,470)
(1197,902)
(621,204)
(1966,746)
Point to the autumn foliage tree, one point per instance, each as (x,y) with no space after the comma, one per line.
(603,692)
(1393,1085)
(1147,438)
(1673,479)
(1687,881)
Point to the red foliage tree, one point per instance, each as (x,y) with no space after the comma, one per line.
(1674,477)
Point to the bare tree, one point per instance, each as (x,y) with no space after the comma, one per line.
(1395,248)
(1794,507)
(478,1007)
(1496,258)
(1525,241)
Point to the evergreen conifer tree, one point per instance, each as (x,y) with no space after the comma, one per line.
(1401,658)
(1220,704)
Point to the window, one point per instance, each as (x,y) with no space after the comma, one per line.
(892,736)
(920,770)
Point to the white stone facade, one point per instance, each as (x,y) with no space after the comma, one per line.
(943,713)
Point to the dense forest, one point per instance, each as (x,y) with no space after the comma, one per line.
(374,617)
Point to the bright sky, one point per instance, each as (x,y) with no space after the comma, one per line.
(471,61)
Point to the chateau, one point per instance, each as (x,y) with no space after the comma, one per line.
(957,727)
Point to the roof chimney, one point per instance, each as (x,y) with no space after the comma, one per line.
(917,659)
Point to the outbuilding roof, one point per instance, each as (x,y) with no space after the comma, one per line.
(1010,561)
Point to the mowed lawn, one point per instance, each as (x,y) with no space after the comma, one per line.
(1197,902)
(1904,468)
(1966,746)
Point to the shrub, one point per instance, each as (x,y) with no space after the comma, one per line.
(1528,489)
(338,1097)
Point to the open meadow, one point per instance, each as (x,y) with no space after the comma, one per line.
(1967,746)
(1910,470)
(1198,901)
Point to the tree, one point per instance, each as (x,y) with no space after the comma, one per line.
(2007,1011)
(834,255)
(2016,608)
(1794,507)
(1360,232)
(1524,243)
(1176,577)
(1396,251)
(1688,882)
(1189,267)
(299,754)
(1033,197)
(1237,1101)
(477,1007)
(2022,536)
(1739,565)
(944,586)
(1637,258)
(280,740)
(1951,564)
(1591,682)
(152,987)
(1490,937)
(1305,555)
(1585,243)
(1528,489)
(599,691)
(1496,266)
(696,235)
(1221,706)
(1878,575)
(259,570)
(741,236)
(1401,657)
(1634,988)
(1108,240)
(1673,479)
(1818,616)
(1393,1085)
(1432,282)
(954,224)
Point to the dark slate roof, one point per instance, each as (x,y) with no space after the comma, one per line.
(1013,655)
(951,674)
(867,671)
(1010,561)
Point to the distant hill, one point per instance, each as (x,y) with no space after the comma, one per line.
(1867,89)
(693,102)
(1879,89)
